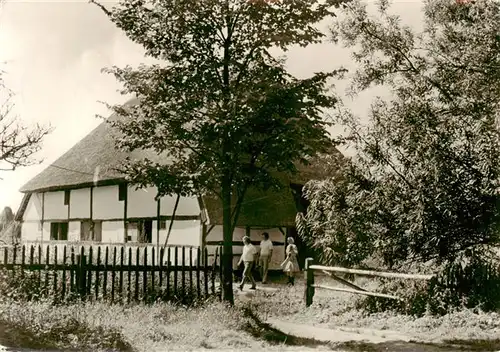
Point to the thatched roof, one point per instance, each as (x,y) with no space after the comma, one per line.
(93,161)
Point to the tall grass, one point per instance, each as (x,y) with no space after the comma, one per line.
(97,326)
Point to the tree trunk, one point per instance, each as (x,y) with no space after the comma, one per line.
(227,254)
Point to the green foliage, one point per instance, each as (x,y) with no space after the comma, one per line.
(65,332)
(471,281)
(28,285)
(17,287)
(345,242)
(222,108)
(424,181)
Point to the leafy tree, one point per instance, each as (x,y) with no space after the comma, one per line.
(424,181)
(221,108)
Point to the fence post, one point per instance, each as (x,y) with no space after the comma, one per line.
(221,280)
(81,275)
(309,276)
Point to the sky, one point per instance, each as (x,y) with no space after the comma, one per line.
(52,53)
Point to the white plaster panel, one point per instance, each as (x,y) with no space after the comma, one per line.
(31,231)
(141,203)
(79,203)
(184,233)
(156,233)
(275,234)
(46,231)
(34,209)
(112,232)
(54,208)
(186,206)
(106,204)
(278,251)
(187,254)
(255,235)
(216,234)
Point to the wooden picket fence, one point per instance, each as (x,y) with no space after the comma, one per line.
(115,274)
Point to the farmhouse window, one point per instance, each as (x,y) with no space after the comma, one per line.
(91,231)
(140,231)
(122,192)
(66,197)
(163,225)
(59,231)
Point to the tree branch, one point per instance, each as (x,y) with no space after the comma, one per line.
(443,91)
(104,9)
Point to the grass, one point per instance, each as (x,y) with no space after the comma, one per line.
(210,325)
(158,327)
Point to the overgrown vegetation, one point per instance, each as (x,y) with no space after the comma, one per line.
(468,282)
(38,286)
(423,186)
(28,320)
(100,326)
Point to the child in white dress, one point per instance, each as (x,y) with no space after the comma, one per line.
(291,265)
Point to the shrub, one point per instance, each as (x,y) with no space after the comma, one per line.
(25,285)
(470,281)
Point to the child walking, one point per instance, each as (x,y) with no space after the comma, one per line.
(291,265)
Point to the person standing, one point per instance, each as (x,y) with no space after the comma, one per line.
(291,265)
(248,258)
(266,253)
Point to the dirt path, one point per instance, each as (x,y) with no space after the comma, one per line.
(335,335)
(367,339)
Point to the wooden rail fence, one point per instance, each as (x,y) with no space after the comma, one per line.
(114,274)
(310,286)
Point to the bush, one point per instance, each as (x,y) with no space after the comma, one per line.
(471,281)
(25,285)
